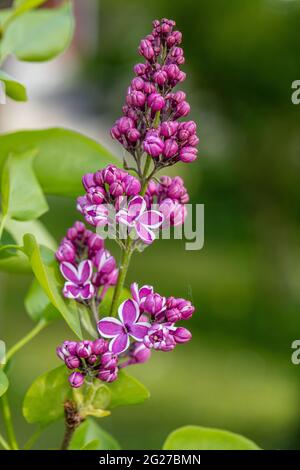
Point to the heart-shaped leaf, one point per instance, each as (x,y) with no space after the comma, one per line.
(37,35)
(43,402)
(63,157)
(46,271)
(13,88)
(22,196)
(200,438)
(90,436)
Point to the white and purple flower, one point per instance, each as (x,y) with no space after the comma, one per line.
(143,221)
(78,285)
(127,327)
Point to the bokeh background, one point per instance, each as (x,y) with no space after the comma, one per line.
(241,59)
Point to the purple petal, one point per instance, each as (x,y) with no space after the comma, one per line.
(145,234)
(69,272)
(136,207)
(71,291)
(129,312)
(85,270)
(110,327)
(87,291)
(144,291)
(152,219)
(119,344)
(139,330)
(134,289)
(122,217)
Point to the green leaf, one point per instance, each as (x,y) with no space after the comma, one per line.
(90,436)
(3,382)
(200,438)
(22,196)
(38,35)
(127,390)
(93,399)
(63,157)
(43,402)
(20,6)
(13,88)
(38,305)
(46,271)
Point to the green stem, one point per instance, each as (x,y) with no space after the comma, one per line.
(4,443)
(39,327)
(8,422)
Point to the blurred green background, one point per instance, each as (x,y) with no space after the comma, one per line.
(241,58)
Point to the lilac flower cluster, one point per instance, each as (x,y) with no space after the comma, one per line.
(171,196)
(85,264)
(142,205)
(88,360)
(150,96)
(105,187)
(147,318)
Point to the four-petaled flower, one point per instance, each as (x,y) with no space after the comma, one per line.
(78,285)
(137,217)
(121,330)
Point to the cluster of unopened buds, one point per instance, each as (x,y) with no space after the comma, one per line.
(142,204)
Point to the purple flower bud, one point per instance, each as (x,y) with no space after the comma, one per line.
(115,133)
(153,304)
(92,359)
(76,379)
(133,135)
(99,346)
(181,77)
(146,49)
(88,181)
(182,335)
(109,360)
(170,148)
(182,109)
(168,128)
(72,362)
(172,71)
(124,124)
(132,186)
(152,188)
(66,252)
(116,189)
(79,226)
(153,145)
(96,195)
(137,84)
(108,375)
(149,88)
(173,315)
(95,242)
(183,135)
(72,233)
(193,140)
(139,354)
(84,349)
(136,98)
(140,69)
(156,102)
(165,28)
(160,77)
(188,154)
(179,96)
